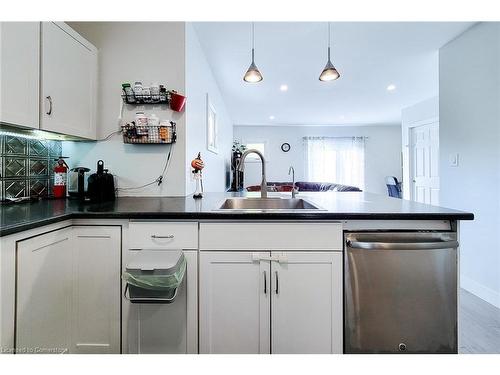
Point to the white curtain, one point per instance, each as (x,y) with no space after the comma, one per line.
(337,160)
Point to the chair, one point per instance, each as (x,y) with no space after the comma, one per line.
(393,187)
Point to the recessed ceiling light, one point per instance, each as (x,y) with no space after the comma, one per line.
(284,87)
(391,87)
(271,117)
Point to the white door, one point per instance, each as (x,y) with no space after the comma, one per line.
(96,289)
(424,163)
(234,302)
(44,293)
(19,73)
(69,66)
(306,313)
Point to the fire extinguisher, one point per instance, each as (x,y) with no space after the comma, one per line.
(60,178)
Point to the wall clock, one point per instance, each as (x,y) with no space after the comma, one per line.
(285,147)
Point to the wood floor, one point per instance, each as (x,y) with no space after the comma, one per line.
(478,326)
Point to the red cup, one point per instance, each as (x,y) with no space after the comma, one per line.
(177,102)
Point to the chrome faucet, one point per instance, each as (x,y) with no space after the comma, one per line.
(241,167)
(294,189)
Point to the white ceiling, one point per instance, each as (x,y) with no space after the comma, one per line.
(368,55)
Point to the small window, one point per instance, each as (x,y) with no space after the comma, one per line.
(335,160)
(259,146)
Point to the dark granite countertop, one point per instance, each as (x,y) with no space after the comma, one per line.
(337,206)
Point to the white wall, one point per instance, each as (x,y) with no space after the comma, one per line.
(424,112)
(470,126)
(199,83)
(382,151)
(129,51)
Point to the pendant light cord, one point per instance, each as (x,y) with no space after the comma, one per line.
(329,43)
(253,35)
(253,41)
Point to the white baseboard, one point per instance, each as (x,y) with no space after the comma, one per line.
(483,292)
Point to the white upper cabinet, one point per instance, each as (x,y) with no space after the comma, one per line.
(306,303)
(68,79)
(19,73)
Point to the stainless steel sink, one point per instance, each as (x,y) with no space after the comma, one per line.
(267,204)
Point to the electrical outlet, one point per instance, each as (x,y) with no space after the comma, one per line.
(453,159)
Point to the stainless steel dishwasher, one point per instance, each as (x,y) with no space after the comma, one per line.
(400,292)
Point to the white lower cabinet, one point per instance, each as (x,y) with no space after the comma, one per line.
(159,328)
(234,303)
(96,290)
(270,302)
(306,313)
(44,290)
(68,291)
(162,328)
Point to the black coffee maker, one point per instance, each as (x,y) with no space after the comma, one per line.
(77,184)
(101,185)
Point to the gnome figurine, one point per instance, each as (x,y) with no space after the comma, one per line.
(197,165)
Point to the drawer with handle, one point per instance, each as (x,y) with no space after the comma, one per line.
(285,236)
(163,235)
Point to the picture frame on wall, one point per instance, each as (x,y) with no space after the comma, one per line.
(212,136)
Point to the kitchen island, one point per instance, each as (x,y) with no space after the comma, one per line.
(359,273)
(334,206)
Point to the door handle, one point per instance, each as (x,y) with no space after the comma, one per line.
(170,236)
(51,244)
(277,282)
(265,282)
(49,111)
(402,245)
(88,236)
(281,258)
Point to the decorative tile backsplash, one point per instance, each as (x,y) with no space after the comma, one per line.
(26,165)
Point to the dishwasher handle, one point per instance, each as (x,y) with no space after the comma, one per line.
(402,245)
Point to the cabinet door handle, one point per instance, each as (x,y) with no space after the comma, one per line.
(277,282)
(51,244)
(89,236)
(170,236)
(265,282)
(49,98)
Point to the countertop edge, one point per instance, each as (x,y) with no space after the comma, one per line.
(23,226)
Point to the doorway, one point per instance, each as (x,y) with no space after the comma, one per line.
(424,163)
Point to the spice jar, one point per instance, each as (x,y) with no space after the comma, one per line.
(141,122)
(146,94)
(155,92)
(153,120)
(141,119)
(165,131)
(138,91)
(163,94)
(128,92)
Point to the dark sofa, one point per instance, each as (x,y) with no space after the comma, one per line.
(304,186)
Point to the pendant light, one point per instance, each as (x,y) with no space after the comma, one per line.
(329,73)
(253,75)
